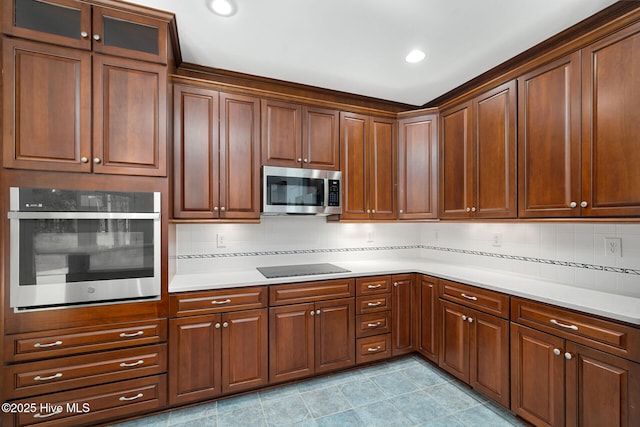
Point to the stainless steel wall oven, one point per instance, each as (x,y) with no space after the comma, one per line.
(76,247)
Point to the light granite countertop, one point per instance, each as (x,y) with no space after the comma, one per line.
(619,307)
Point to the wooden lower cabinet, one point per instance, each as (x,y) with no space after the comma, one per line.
(556,382)
(311,338)
(427,302)
(403,307)
(217,354)
(474,348)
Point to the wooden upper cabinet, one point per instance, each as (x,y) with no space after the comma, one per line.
(455,160)
(611,125)
(195,152)
(129,117)
(299,136)
(368,161)
(549,139)
(47,107)
(76,24)
(418,167)
(478,156)
(239,156)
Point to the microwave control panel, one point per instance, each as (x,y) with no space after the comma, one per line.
(334,192)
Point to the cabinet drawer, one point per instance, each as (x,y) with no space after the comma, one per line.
(373,285)
(481,299)
(224,300)
(373,348)
(311,291)
(373,324)
(66,342)
(48,376)
(373,304)
(608,336)
(93,405)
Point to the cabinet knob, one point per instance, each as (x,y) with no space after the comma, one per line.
(470,319)
(84,34)
(96,37)
(401,210)
(318,312)
(468,209)
(556,351)
(312,313)
(473,209)
(83,159)
(464,318)
(215,209)
(584,204)
(222,209)
(225,325)
(573,205)
(368,210)
(306,160)
(299,159)
(373,211)
(395,284)
(568,356)
(96,160)
(217,325)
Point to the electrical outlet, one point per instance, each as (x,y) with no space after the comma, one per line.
(221,241)
(496,239)
(370,237)
(613,247)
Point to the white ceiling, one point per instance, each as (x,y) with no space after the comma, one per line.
(358,46)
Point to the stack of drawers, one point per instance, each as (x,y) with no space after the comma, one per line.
(373,318)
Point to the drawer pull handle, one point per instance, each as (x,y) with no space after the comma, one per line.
(374,325)
(562,325)
(131,335)
(374,304)
(472,298)
(378,286)
(38,415)
(130,365)
(52,344)
(126,399)
(52,377)
(372,349)
(226,301)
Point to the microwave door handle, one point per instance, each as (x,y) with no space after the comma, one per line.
(326,193)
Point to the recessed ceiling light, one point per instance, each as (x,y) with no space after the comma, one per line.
(416,55)
(221,7)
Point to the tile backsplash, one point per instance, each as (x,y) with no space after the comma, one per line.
(572,254)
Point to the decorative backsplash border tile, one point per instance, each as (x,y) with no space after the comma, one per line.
(428,247)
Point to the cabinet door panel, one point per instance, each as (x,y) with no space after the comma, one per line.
(281,134)
(129,124)
(428,316)
(244,350)
(537,376)
(455,162)
(489,356)
(611,126)
(194,358)
(291,342)
(549,139)
(335,334)
(454,344)
(495,153)
(320,138)
(239,156)
(418,168)
(196,140)
(403,307)
(382,169)
(47,108)
(601,389)
(354,133)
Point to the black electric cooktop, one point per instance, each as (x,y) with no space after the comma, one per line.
(300,270)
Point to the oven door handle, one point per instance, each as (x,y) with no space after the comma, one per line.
(83,215)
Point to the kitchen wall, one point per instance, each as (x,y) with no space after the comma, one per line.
(572,254)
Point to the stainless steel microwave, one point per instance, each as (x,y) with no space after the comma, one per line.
(301,191)
(71,247)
